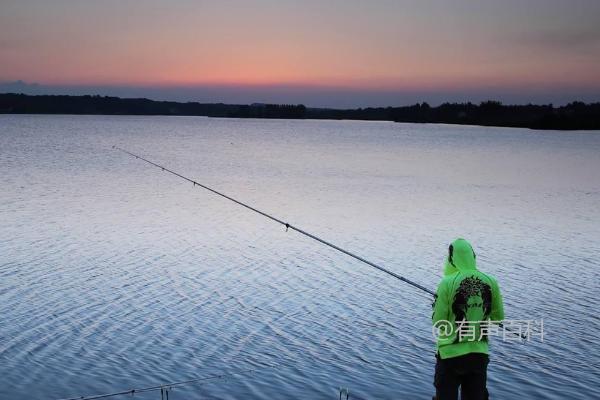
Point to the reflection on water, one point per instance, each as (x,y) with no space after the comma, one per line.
(116,275)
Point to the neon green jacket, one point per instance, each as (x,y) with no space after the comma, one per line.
(465,297)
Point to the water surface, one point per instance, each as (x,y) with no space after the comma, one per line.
(115,275)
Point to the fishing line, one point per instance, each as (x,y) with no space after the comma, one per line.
(290,226)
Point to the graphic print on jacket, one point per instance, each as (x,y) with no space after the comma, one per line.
(472,301)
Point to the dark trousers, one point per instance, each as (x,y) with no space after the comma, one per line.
(469,372)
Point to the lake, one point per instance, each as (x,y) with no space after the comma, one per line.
(116,275)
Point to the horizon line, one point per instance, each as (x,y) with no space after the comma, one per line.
(317,96)
(258,103)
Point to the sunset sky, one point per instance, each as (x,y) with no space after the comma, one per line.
(321,53)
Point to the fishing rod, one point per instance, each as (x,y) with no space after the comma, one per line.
(286,224)
(297,229)
(166,387)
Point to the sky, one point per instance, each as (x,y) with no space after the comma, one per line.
(334,53)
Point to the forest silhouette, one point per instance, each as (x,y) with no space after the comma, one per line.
(573,116)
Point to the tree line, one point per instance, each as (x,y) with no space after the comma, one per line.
(575,115)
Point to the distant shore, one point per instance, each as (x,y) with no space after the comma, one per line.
(573,116)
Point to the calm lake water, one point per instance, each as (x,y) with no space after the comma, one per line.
(115,275)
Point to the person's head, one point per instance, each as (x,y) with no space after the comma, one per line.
(460,257)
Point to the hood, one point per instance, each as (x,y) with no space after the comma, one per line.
(460,258)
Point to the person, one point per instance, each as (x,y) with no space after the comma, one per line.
(466,301)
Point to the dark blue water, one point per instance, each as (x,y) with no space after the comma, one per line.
(115,275)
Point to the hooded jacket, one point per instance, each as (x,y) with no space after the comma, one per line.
(465,297)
